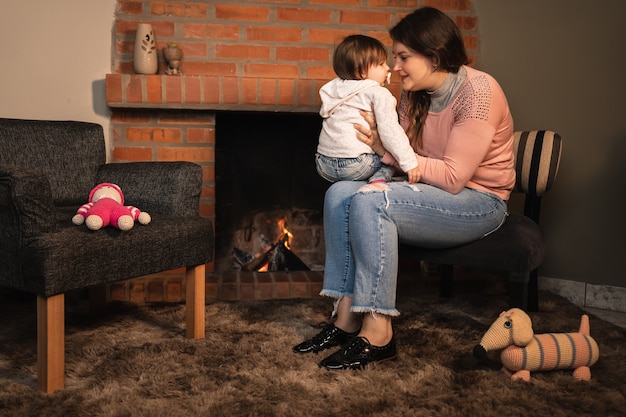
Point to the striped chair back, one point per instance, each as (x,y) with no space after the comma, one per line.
(537,159)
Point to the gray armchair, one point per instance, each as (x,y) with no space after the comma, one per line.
(47,169)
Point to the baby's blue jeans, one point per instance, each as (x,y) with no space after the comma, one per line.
(364,167)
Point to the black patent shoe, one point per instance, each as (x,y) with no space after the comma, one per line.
(329,337)
(358,353)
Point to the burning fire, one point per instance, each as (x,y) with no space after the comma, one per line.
(277,256)
(284,237)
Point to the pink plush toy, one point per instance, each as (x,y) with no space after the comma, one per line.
(106,208)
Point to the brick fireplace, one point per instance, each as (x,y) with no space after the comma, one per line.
(267,57)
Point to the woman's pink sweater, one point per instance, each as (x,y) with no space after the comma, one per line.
(470,142)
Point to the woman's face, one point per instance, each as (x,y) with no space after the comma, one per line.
(415,70)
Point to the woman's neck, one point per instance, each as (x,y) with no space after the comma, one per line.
(440,78)
(447,90)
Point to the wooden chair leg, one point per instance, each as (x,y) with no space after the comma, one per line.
(51,343)
(195,301)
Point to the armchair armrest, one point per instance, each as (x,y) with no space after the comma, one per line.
(26,205)
(168,188)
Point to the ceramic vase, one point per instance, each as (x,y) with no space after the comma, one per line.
(146,60)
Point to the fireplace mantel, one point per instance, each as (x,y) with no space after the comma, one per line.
(210,92)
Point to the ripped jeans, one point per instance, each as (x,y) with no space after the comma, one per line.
(362,229)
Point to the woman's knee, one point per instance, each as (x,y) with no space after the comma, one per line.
(342,189)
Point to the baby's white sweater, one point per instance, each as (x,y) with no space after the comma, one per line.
(341,102)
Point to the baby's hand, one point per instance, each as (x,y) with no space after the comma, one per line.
(414,175)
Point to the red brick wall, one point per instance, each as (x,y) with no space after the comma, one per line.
(260,55)
(276,39)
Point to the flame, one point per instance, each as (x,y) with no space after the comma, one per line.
(284,237)
(284,231)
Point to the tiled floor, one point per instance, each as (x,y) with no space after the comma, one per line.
(616,317)
(604,301)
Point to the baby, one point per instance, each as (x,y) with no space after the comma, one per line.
(360,63)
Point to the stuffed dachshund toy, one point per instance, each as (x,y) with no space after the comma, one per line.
(106,208)
(525,352)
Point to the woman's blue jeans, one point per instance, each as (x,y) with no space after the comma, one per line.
(362,229)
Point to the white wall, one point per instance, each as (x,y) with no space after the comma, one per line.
(55,55)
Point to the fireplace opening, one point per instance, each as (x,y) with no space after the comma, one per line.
(266,184)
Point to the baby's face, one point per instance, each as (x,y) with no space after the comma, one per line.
(378,72)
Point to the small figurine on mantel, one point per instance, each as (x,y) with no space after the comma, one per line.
(174,56)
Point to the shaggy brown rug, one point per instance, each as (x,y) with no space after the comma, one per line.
(134,361)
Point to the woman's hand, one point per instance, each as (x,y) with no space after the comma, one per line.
(370,136)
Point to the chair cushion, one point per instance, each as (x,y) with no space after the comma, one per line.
(49,256)
(517,248)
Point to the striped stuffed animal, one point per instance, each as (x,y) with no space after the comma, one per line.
(525,352)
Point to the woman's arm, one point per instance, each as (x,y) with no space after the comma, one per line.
(465,149)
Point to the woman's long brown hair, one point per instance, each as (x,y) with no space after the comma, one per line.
(431,33)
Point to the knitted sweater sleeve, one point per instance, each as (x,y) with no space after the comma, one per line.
(454,170)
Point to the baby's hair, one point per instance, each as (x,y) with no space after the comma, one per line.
(356,54)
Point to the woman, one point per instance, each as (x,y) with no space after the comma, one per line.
(460,126)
